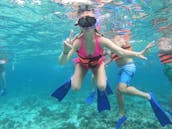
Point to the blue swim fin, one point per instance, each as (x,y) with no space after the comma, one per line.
(91,97)
(169,112)
(102,101)
(120,122)
(61,92)
(159,112)
(108,89)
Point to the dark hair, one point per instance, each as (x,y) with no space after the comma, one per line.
(80,34)
(86,7)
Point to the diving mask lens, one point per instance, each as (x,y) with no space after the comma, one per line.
(87,21)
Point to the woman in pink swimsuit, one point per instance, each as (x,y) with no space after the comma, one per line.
(89,45)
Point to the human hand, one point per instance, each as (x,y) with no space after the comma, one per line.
(68,43)
(148,47)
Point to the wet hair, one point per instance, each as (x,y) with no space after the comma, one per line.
(84,7)
(98,32)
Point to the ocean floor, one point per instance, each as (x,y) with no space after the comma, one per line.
(42,112)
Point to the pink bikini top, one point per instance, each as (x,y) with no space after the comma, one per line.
(93,59)
(98,50)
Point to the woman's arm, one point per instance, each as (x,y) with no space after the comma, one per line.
(68,51)
(108,57)
(122,52)
(65,56)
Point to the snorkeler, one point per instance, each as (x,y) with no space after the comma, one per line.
(125,75)
(2,77)
(89,46)
(165,55)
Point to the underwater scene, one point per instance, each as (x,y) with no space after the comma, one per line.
(40,88)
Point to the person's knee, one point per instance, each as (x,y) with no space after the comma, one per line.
(76,86)
(101,85)
(121,88)
(76,83)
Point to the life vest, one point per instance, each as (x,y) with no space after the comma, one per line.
(92,62)
(116,57)
(165,58)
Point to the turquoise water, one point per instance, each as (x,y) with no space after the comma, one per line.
(31,38)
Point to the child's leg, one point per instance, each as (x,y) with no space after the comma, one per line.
(93,82)
(125,75)
(90,98)
(123,88)
(78,76)
(120,100)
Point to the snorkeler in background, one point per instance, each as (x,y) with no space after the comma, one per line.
(2,77)
(165,55)
(89,45)
(126,72)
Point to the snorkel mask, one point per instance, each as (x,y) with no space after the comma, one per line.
(86,22)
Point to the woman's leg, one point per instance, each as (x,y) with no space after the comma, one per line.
(100,77)
(76,80)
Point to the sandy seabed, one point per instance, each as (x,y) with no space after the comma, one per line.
(42,112)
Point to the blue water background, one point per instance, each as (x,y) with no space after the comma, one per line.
(31,38)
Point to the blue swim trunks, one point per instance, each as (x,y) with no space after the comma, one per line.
(126,73)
